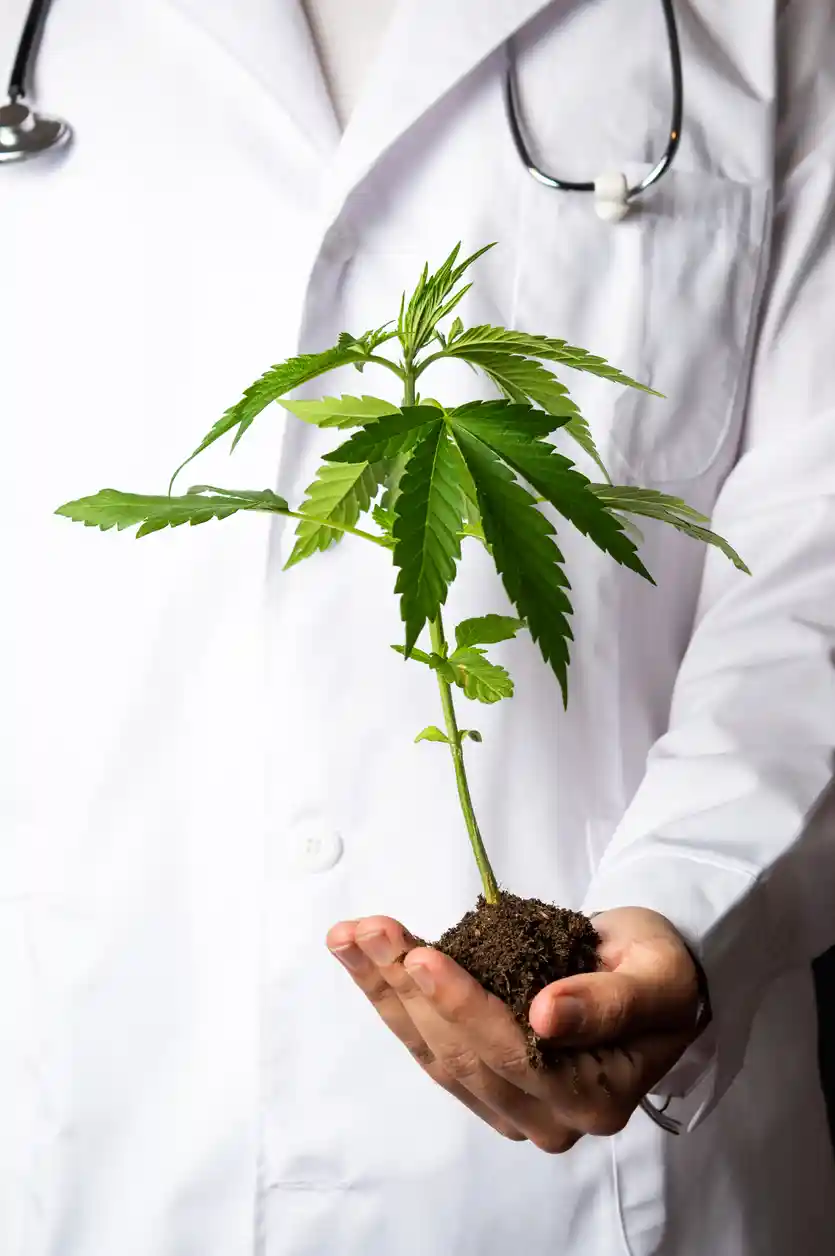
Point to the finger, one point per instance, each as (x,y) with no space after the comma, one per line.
(341,942)
(454,1058)
(479,1043)
(607,1007)
(608,1084)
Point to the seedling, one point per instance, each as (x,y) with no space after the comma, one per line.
(431,478)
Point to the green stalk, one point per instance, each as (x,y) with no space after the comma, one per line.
(488,879)
(436,633)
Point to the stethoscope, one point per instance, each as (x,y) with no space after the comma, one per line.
(25,133)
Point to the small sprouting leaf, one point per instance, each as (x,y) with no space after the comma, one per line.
(111,508)
(388,436)
(432,299)
(472,733)
(274,383)
(486,630)
(429,517)
(480,679)
(455,330)
(432,734)
(341,412)
(384,519)
(339,494)
(631,500)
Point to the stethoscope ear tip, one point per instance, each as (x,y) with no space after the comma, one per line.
(24,133)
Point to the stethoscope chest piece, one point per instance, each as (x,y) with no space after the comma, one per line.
(24,133)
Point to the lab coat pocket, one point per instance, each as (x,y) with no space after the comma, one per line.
(669,295)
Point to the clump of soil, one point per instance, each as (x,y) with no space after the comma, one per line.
(515,948)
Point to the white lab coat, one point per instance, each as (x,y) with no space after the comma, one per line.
(210,762)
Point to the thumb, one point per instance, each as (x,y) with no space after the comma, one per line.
(603,1008)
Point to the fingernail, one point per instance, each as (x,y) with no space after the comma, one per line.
(351,956)
(567,1016)
(378,947)
(422,977)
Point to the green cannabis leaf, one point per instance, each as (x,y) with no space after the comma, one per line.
(342,412)
(429,517)
(432,734)
(486,630)
(500,340)
(480,679)
(340,493)
(631,500)
(526,556)
(113,509)
(388,436)
(273,384)
(508,358)
(554,476)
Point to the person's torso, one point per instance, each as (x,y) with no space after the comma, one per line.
(215,758)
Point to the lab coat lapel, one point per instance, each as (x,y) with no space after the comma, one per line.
(272,41)
(430,46)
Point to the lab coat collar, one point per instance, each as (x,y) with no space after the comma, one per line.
(271,41)
(429,47)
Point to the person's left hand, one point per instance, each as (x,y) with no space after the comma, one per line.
(630,1023)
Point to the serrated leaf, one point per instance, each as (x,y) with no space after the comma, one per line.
(523,379)
(503,340)
(578,429)
(388,436)
(487,630)
(631,500)
(481,680)
(526,556)
(340,493)
(274,383)
(432,733)
(551,474)
(111,508)
(391,489)
(341,412)
(429,516)
(472,733)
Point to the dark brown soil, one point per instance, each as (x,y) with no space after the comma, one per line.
(517,947)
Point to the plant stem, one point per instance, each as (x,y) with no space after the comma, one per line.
(488,879)
(436,632)
(409,376)
(386,362)
(338,527)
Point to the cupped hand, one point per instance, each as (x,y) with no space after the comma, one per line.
(623,1027)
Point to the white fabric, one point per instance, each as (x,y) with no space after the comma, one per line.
(347,35)
(208,761)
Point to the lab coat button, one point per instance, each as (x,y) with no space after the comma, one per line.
(316,849)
